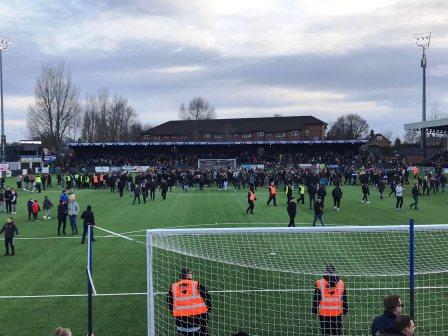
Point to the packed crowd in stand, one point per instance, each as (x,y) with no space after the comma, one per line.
(185,158)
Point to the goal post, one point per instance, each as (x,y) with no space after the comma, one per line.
(216,163)
(262,280)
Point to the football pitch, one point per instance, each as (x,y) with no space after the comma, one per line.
(44,285)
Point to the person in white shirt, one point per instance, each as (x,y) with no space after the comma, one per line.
(399,196)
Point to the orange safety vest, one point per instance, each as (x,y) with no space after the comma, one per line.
(251,196)
(272,190)
(331,298)
(187,300)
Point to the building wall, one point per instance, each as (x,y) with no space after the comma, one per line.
(310,132)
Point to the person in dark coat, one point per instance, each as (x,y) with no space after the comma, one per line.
(29,205)
(9,229)
(318,212)
(62,217)
(336,193)
(152,189)
(415,194)
(164,189)
(393,307)
(292,211)
(365,193)
(137,191)
(381,188)
(312,194)
(321,193)
(89,219)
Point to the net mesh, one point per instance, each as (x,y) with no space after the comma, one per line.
(263,281)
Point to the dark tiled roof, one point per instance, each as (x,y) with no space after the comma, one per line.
(239,125)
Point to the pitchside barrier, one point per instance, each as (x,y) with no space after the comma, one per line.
(262,280)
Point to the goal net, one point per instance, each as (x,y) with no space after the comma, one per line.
(216,163)
(262,280)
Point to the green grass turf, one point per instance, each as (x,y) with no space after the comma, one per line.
(57,266)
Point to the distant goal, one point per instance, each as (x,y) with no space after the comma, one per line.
(216,163)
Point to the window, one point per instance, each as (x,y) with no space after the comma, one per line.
(295,133)
(280,134)
(379,138)
(260,134)
(207,135)
(156,137)
(147,137)
(246,135)
(218,136)
(183,137)
(307,132)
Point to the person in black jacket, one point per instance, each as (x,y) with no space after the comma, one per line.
(164,189)
(292,211)
(62,217)
(318,212)
(152,189)
(29,205)
(336,193)
(365,193)
(137,191)
(393,307)
(321,193)
(312,194)
(381,188)
(415,194)
(89,219)
(9,229)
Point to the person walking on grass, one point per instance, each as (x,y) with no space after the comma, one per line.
(62,217)
(47,205)
(89,219)
(9,229)
(318,212)
(292,211)
(36,209)
(73,209)
(336,193)
(399,196)
(272,194)
(29,205)
(251,198)
(365,193)
(415,194)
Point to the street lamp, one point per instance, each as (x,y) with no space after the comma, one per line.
(422,40)
(4,43)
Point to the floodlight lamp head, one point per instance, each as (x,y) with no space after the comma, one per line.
(4,42)
(423,40)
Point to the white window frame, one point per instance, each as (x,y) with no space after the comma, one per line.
(307,132)
(156,137)
(260,134)
(246,135)
(218,136)
(295,133)
(280,134)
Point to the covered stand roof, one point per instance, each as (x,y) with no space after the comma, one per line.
(435,126)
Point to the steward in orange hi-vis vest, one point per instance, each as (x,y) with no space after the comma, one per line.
(330,302)
(189,303)
(272,194)
(251,198)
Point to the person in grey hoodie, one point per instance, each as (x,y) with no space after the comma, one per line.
(73,209)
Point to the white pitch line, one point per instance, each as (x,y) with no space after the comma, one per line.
(119,235)
(239,291)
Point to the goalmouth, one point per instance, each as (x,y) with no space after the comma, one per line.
(216,163)
(261,280)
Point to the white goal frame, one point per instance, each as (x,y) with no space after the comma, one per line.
(150,233)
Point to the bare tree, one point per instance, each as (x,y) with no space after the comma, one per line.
(108,120)
(348,127)
(198,109)
(388,134)
(411,137)
(56,111)
(436,113)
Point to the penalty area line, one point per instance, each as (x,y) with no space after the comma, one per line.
(119,235)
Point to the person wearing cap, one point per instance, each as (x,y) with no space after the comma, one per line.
(190,304)
(393,307)
(330,302)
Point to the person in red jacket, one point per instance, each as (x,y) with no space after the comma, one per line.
(36,208)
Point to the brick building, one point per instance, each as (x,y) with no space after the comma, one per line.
(297,128)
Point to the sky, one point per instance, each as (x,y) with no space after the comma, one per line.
(251,58)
